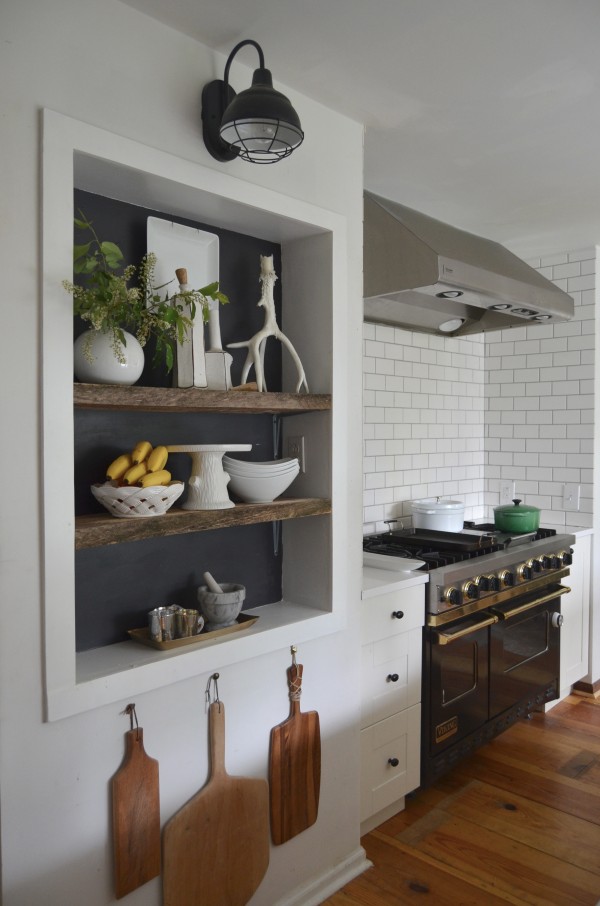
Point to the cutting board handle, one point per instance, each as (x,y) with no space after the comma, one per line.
(295,684)
(134,745)
(216,721)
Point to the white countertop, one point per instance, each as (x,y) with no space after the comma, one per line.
(380,581)
(576,530)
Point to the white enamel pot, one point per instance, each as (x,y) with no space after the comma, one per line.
(438,514)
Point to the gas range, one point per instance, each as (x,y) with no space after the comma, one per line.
(478,567)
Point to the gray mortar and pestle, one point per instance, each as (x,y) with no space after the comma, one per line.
(220,605)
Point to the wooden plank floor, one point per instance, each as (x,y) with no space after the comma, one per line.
(518,822)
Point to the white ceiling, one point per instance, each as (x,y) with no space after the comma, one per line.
(483,113)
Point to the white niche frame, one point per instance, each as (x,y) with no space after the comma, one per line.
(314,253)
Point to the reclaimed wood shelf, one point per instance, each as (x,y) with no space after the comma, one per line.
(192,399)
(99,530)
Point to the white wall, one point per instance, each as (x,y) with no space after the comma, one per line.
(103,63)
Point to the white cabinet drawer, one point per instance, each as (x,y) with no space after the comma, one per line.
(392,612)
(390,760)
(390,675)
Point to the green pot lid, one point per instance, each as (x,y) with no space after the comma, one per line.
(516,508)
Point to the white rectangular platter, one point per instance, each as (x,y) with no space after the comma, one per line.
(197,251)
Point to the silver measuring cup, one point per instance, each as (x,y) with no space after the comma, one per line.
(188,622)
(162,623)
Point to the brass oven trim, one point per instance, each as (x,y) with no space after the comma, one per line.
(446,638)
(529,605)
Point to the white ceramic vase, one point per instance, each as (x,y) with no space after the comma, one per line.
(105,368)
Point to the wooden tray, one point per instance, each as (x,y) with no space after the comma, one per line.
(143,635)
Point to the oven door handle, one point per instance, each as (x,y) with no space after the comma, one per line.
(445,638)
(507,614)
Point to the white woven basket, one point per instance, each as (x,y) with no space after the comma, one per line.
(136,502)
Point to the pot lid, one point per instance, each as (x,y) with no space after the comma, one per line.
(516,508)
(433,505)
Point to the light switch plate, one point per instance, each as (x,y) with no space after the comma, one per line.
(507,492)
(571,494)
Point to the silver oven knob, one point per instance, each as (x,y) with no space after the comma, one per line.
(557,620)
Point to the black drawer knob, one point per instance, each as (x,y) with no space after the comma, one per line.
(392,677)
(394,762)
(397,614)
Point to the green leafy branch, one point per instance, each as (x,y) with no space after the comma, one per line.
(107,302)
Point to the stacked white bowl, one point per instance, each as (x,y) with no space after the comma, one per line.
(260,482)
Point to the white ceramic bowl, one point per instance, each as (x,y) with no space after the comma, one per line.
(264,473)
(137,502)
(253,489)
(238,467)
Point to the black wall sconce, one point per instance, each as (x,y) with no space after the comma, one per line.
(258,125)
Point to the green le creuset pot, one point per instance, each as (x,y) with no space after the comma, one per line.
(517,518)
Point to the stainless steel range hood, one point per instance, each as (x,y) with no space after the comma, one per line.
(422,274)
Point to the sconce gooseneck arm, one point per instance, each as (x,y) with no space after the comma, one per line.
(261,58)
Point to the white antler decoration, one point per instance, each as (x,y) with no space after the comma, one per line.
(256,344)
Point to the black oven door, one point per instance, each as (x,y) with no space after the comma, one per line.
(525,650)
(457,693)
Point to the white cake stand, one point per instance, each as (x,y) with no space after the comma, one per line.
(207,488)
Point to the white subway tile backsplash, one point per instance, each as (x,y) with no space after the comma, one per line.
(373,382)
(374,349)
(527,347)
(384,366)
(567,329)
(567,417)
(383,398)
(556,373)
(584,341)
(580,372)
(369,398)
(372,414)
(573,269)
(384,333)
(574,284)
(374,448)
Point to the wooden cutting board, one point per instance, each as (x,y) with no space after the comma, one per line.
(216,848)
(136,817)
(294,767)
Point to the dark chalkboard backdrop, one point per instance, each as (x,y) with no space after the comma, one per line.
(117,585)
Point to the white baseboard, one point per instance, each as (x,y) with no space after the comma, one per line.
(329,882)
